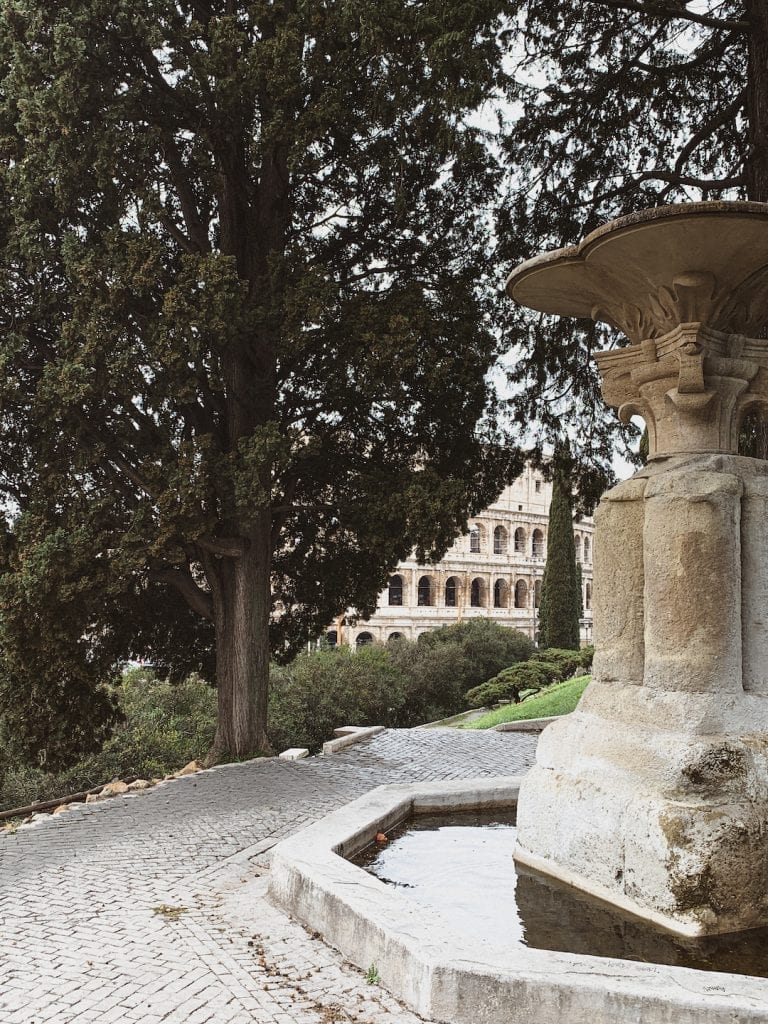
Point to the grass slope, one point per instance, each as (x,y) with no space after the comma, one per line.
(559,699)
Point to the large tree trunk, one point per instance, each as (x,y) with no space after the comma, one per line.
(242,604)
(757,101)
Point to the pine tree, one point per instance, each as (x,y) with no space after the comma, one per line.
(246,309)
(560,590)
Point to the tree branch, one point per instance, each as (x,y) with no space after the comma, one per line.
(706,130)
(704,55)
(133,475)
(658,8)
(228,547)
(199,600)
(195,227)
(685,179)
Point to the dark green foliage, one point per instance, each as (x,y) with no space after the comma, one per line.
(560,591)
(545,666)
(403,684)
(623,106)
(434,680)
(512,683)
(486,647)
(246,315)
(567,661)
(163,726)
(321,691)
(586,655)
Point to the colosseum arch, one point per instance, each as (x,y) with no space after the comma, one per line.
(500,540)
(452,592)
(586,550)
(476,538)
(537,544)
(363,639)
(500,594)
(395,591)
(425,591)
(520,539)
(477,593)
(577,544)
(521,594)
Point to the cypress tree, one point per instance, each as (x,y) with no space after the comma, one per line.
(247,301)
(560,591)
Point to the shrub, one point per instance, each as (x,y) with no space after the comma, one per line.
(486,648)
(511,684)
(568,662)
(318,692)
(433,678)
(587,654)
(165,726)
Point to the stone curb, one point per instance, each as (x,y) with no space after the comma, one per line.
(351,734)
(527,724)
(449,977)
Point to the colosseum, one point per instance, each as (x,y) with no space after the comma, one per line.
(492,571)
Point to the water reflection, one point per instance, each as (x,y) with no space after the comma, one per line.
(461,866)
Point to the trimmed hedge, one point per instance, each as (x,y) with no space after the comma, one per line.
(546,666)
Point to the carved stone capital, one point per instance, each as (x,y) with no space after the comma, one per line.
(686,284)
(691,387)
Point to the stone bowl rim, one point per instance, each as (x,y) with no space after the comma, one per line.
(577,253)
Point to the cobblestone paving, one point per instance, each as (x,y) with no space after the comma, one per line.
(150,908)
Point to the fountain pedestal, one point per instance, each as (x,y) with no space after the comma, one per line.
(654,794)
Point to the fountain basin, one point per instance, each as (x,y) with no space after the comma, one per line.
(452,977)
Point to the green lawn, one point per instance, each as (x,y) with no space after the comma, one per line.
(555,700)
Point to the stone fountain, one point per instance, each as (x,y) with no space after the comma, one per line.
(653,795)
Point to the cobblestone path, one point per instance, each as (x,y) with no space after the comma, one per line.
(150,907)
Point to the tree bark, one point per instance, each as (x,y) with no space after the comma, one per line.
(242,605)
(756,169)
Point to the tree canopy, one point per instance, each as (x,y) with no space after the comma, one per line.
(246,330)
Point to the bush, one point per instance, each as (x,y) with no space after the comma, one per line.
(586,654)
(546,666)
(486,648)
(512,683)
(166,725)
(433,677)
(318,692)
(568,662)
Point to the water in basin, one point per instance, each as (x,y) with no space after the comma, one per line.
(461,865)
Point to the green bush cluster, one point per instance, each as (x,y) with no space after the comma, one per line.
(399,685)
(164,726)
(546,666)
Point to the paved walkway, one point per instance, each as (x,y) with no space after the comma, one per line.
(151,907)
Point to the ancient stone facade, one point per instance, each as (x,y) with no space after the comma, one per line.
(493,571)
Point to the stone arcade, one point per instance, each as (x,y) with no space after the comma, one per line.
(654,794)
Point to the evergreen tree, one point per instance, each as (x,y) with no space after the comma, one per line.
(621,105)
(560,590)
(643,448)
(246,311)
